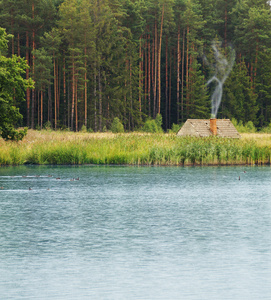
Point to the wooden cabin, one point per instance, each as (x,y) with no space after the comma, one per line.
(203,128)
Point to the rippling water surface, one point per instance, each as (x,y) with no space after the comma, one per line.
(135,233)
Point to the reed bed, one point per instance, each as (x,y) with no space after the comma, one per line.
(45,147)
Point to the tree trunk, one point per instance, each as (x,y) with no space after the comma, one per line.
(187,73)
(100,100)
(155,70)
(95,100)
(182,86)
(146,75)
(140,74)
(27,77)
(33,74)
(41,109)
(55,92)
(58,88)
(226,21)
(76,104)
(73,91)
(178,75)
(166,83)
(149,75)
(64,92)
(86,105)
(256,60)
(169,96)
(159,61)
(18,45)
(131,120)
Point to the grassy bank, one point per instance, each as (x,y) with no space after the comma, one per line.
(44,147)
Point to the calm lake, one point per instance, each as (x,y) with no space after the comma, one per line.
(135,232)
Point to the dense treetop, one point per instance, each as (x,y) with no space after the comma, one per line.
(94,61)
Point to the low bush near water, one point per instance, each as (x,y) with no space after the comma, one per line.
(43,147)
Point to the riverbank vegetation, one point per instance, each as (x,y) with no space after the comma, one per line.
(93,61)
(55,147)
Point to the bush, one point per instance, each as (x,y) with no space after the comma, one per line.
(83,128)
(244,128)
(153,126)
(175,128)
(150,126)
(117,126)
(47,125)
(159,122)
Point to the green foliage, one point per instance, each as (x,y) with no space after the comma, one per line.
(12,89)
(47,125)
(150,126)
(244,128)
(117,126)
(159,122)
(97,55)
(154,126)
(175,128)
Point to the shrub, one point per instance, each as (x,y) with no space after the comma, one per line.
(47,125)
(83,128)
(117,126)
(175,128)
(153,126)
(150,126)
(159,122)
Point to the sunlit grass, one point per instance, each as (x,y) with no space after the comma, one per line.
(58,147)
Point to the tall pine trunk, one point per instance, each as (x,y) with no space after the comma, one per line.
(100,100)
(73,92)
(187,72)
(33,74)
(140,74)
(76,104)
(159,61)
(169,95)
(27,77)
(149,75)
(86,105)
(95,99)
(55,92)
(64,92)
(166,93)
(178,75)
(155,70)
(182,85)
(18,45)
(41,109)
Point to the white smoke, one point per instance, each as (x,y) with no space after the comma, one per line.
(221,69)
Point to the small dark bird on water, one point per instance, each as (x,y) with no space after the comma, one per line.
(239,178)
(58,178)
(30,189)
(77,178)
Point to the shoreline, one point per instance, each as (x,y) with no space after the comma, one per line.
(134,149)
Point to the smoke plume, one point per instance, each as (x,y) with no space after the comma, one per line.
(221,69)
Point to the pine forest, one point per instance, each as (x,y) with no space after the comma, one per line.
(94,60)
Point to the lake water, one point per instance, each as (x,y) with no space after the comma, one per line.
(135,233)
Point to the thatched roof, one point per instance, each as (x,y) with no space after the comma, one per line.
(201,128)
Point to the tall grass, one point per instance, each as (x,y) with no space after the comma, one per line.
(43,147)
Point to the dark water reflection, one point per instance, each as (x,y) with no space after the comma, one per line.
(135,233)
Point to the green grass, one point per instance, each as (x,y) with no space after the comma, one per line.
(43,147)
